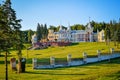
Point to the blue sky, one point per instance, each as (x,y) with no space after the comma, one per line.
(56,12)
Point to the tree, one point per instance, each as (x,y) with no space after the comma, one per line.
(38,32)
(45,31)
(30,33)
(9,30)
(78,27)
(107,35)
(25,35)
(41,32)
(118,33)
(54,28)
(113,31)
(98,26)
(4,37)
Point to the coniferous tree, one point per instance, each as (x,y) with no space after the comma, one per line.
(46,31)
(38,32)
(9,30)
(42,31)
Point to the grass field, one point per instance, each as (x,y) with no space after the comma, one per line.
(96,71)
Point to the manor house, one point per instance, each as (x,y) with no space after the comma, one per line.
(69,35)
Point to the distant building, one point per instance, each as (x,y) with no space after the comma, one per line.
(34,40)
(101,36)
(73,36)
(65,37)
(52,36)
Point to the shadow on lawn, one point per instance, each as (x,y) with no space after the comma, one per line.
(87,66)
(3,62)
(51,73)
(73,44)
(7,56)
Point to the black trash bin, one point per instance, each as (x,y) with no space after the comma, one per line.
(23,62)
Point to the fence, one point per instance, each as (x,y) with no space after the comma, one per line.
(70,62)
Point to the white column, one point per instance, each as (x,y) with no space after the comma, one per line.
(85,57)
(99,53)
(84,37)
(91,37)
(74,38)
(52,61)
(112,50)
(34,63)
(69,59)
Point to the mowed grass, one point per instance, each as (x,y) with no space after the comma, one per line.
(96,71)
(76,50)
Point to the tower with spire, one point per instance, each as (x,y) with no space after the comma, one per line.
(69,28)
(89,30)
(60,29)
(69,32)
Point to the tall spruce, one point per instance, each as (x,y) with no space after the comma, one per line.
(46,31)
(38,33)
(42,31)
(4,37)
(9,31)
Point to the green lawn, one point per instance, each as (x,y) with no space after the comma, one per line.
(96,71)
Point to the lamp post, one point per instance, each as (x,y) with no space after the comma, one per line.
(108,43)
(109,49)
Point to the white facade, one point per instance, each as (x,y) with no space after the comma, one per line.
(75,35)
(34,39)
(101,36)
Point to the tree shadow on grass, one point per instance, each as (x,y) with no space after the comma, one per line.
(73,44)
(3,62)
(2,55)
(51,73)
(88,66)
(8,55)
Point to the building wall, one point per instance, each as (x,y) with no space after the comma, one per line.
(73,36)
(86,35)
(52,36)
(101,36)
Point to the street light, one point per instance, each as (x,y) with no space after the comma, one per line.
(108,43)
